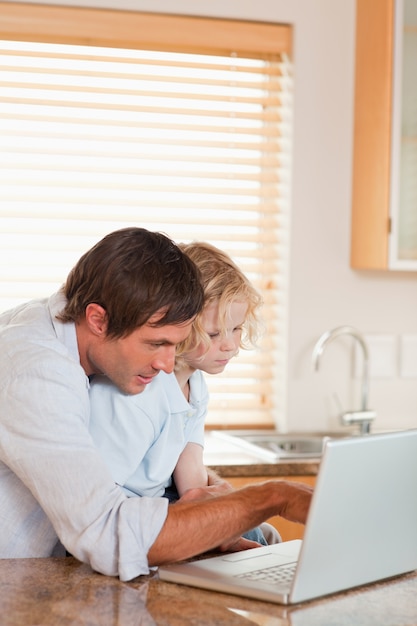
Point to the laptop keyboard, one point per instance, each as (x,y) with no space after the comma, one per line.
(276,574)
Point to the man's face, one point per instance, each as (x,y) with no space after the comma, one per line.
(132,362)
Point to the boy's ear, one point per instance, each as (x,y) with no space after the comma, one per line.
(96,319)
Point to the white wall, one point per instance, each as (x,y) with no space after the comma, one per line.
(324,291)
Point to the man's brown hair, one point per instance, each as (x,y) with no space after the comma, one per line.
(134,273)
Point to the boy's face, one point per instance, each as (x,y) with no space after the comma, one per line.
(224,344)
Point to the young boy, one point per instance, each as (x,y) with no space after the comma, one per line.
(153,442)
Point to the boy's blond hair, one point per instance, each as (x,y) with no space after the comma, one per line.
(224,283)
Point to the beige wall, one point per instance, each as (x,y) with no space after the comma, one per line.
(324,291)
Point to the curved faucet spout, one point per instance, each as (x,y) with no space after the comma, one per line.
(364,416)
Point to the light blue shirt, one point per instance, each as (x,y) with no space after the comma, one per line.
(54,483)
(141,437)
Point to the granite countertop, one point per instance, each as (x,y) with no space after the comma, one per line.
(62,591)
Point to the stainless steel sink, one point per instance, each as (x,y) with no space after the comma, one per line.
(275,446)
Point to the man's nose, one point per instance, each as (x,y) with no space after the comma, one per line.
(166,360)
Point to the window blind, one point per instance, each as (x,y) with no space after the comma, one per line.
(189,135)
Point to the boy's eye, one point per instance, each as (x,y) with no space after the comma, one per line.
(213,335)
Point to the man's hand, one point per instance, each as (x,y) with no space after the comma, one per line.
(296,501)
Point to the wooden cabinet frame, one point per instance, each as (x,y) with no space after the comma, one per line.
(372,134)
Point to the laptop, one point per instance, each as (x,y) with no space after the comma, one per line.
(361,528)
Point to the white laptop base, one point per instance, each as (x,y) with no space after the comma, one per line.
(361,528)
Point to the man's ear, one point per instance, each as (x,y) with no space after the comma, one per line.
(96,319)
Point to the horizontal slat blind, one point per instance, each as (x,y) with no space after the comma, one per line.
(194,145)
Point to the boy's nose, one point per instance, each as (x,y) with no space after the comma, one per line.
(228,343)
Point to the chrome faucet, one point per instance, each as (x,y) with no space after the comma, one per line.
(364,416)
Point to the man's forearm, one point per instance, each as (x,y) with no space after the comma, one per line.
(192,528)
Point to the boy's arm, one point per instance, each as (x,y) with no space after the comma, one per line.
(190,471)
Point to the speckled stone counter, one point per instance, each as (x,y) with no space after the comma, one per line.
(269,470)
(64,592)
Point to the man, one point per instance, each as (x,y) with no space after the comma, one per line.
(125,306)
